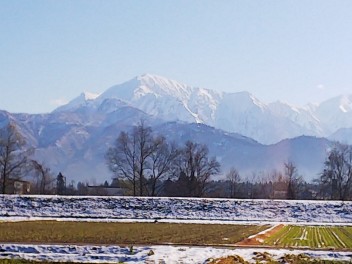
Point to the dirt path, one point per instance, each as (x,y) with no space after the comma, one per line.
(258,239)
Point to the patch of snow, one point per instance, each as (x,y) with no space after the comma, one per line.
(264,231)
(147,254)
(90,96)
(113,208)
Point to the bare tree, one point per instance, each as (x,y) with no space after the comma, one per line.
(277,185)
(294,180)
(139,155)
(162,163)
(234,178)
(198,167)
(13,155)
(44,177)
(145,147)
(336,177)
(121,159)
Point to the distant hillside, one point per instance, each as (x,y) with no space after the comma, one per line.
(74,142)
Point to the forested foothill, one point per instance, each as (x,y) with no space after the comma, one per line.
(144,163)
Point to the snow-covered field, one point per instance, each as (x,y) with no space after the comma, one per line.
(174,209)
(160,254)
(187,210)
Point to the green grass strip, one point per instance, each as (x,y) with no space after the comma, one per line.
(313,237)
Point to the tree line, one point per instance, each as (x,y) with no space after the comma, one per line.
(144,163)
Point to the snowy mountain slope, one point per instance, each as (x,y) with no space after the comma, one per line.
(84,99)
(304,117)
(243,113)
(335,113)
(166,99)
(237,112)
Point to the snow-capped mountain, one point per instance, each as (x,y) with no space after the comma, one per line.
(166,99)
(239,112)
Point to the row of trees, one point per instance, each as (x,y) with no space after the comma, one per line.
(148,165)
(145,163)
(287,184)
(145,160)
(334,182)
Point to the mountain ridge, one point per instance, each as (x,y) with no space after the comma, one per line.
(239,112)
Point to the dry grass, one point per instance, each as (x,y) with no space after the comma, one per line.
(124,233)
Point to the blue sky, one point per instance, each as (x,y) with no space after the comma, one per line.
(294,51)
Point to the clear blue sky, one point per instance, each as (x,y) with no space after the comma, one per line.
(294,51)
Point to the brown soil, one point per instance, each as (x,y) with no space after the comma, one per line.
(258,239)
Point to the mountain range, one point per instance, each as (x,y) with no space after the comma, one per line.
(239,112)
(239,129)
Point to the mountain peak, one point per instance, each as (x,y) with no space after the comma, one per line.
(146,85)
(81,100)
(161,85)
(89,96)
(149,76)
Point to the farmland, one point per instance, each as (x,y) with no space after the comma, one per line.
(171,230)
(330,237)
(124,233)
(132,242)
